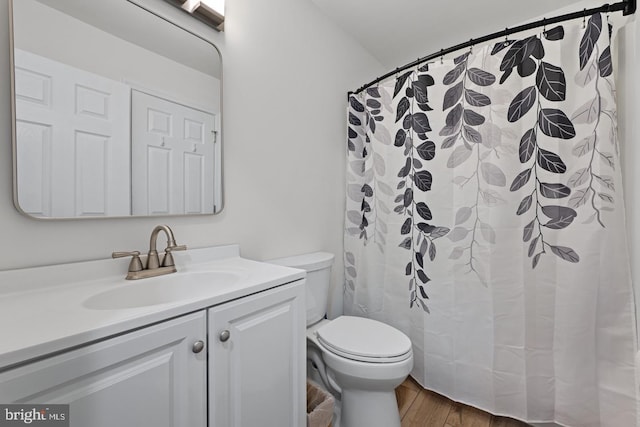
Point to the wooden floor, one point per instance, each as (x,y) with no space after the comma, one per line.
(424,408)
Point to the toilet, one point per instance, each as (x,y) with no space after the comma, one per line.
(360,361)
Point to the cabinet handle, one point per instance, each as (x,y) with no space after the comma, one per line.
(225,335)
(198,346)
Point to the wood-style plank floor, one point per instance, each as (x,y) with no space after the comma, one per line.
(424,408)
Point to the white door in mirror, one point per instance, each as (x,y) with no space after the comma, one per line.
(72,137)
(172,157)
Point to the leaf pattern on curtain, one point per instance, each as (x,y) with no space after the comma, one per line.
(420,236)
(591,188)
(499,168)
(549,200)
(466,101)
(542,192)
(363,116)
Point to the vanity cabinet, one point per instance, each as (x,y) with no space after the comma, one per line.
(157,375)
(257,350)
(149,377)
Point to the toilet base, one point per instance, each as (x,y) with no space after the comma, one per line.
(337,411)
(361,408)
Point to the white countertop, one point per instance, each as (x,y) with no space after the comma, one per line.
(42,309)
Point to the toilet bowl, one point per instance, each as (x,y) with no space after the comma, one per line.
(364,361)
(361,361)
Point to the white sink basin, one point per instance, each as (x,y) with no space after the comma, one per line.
(167,289)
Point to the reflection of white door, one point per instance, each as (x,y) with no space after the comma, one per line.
(72,138)
(172,157)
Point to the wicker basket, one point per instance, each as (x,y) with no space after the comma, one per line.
(319,406)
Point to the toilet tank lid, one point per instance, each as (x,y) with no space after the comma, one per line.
(309,262)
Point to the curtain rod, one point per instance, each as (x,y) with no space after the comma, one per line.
(627,7)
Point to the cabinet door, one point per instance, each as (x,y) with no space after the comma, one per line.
(257,375)
(149,377)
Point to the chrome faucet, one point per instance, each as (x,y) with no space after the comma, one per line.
(153,267)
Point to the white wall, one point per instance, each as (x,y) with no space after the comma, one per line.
(286,71)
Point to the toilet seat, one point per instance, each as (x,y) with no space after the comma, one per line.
(364,340)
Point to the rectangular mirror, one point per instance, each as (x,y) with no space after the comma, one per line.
(116,112)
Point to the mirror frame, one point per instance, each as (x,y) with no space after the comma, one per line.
(218,163)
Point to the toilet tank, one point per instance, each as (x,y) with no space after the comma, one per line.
(318,268)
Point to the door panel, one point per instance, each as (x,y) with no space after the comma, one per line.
(34,174)
(184,182)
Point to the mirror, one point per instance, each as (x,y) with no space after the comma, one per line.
(116,112)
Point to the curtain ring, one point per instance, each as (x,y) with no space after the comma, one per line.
(544,25)
(506,34)
(470,45)
(584,18)
(441,56)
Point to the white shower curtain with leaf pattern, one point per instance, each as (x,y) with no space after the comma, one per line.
(485,219)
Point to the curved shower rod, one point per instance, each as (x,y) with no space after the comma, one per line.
(627,7)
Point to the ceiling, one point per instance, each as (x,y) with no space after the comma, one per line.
(397,32)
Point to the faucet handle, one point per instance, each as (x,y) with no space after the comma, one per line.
(167,261)
(135,264)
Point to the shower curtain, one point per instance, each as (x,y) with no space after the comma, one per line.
(484,218)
